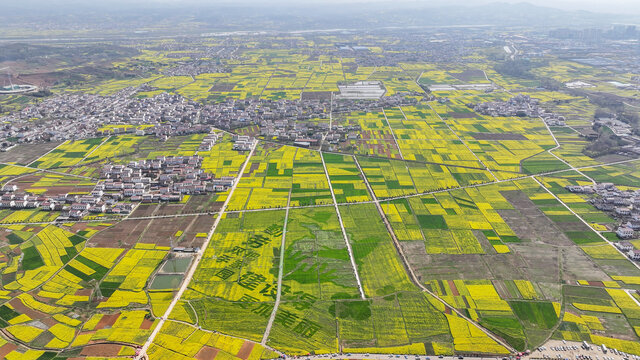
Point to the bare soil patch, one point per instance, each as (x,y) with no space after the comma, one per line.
(453,287)
(101,350)
(576,265)
(530,223)
(144,210)
(24,154)
(498,136)
(222,87)
(169,209)
(538,262)
(449,266)
(202,203)
(462,115)
(123,234)
(146,324)
(7,348)
(207,353)
(316,95)
(202,224)
(107,321)
(162,230)
(469,75)
(23,309)
(245,350)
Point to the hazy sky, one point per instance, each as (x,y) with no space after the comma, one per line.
(603,6)
(607,6)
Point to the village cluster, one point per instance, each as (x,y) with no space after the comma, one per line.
(81,116)
(618,127)
(623,205)
(122,187)
(196,68)
(519,105)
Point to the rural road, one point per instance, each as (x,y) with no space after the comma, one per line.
(463,142)
(267,330)
(413,276)
(340,204)
(550,151)
(384,357)
(344,232)
(587,224)
(376,201)
(196,261)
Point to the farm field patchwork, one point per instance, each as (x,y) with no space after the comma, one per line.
(67,154)
(235,286)
(59,274)
(423,136)
(274,172)
(345,178)
(413,223)
(232,291)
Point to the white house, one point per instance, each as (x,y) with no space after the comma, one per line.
(634,254)
(624,232)
(624,246)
